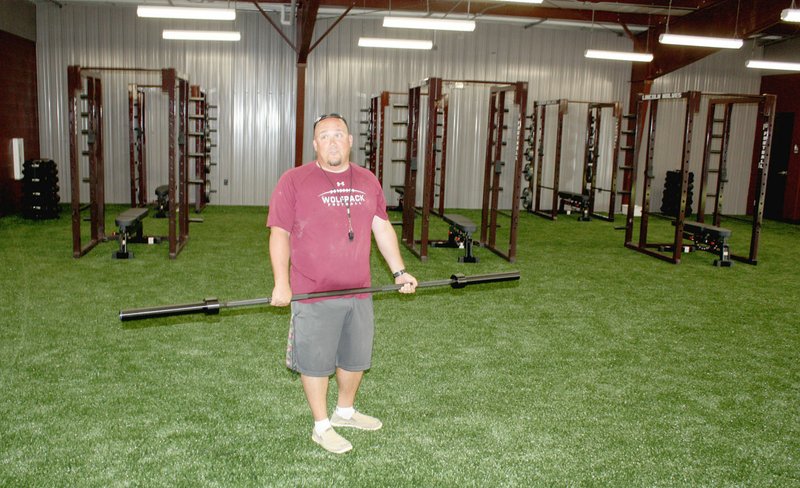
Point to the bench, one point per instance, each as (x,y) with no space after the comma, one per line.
(460,235)
(709,238)
(575,200)
(129,224)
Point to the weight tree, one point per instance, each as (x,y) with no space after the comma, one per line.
(594,168)
(715,161)
(200,133)
(137,136)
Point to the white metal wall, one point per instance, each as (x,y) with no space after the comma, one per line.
(550,60)
(253,82)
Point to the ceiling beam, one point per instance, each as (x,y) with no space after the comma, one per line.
(679,4)
(481,8)
(306,20)
(719,19)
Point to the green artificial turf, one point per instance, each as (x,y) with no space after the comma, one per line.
(600,367)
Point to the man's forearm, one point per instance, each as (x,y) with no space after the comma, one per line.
(386,238)
(279,252)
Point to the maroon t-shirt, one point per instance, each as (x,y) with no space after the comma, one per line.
(311,204)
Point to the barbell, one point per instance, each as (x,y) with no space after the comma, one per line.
(212,306)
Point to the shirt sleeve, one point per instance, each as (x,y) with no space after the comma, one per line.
(380,202)
(281,205)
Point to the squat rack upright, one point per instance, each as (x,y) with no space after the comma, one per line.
(652,101)
(375,147)
(434,94)
(177,91)
(590,190)
(718,127)
(93,115)
(760,166)
(494,162)
(435,163)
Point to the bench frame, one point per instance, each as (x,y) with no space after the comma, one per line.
(459,236)
(130,231)
(575,200)
(709,238)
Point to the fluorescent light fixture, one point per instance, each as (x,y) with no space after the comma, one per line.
(186,13)
(756,64)
(192,35)
(429,23)
(790,15)
(701,41)
(394,43)
(524,1)
(619,55)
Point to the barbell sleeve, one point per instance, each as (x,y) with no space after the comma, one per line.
(212,306)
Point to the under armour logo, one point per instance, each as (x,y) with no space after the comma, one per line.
(339,183)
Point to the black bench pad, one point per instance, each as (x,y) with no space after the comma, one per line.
(699,227)
(460,221)
(568,195)
(131,216)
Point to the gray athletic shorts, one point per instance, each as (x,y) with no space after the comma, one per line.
(330,334)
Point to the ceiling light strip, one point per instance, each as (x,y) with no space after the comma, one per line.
(790,15)
(429,23)
(394,43)
(777,65)
(193,35)
(186,13)
(701,41)
(619,55)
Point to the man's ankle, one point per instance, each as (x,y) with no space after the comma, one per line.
(345,412)
(321,426)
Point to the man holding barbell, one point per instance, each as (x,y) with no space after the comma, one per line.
(321,218)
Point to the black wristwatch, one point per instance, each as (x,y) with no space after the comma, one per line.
(397,274)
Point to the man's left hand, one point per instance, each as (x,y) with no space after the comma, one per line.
(408,281)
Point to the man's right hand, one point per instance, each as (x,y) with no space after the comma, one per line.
(281,296)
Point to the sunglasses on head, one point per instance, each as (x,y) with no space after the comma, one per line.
(330,116)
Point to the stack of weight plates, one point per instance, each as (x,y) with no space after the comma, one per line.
(40,189)
(671,200)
